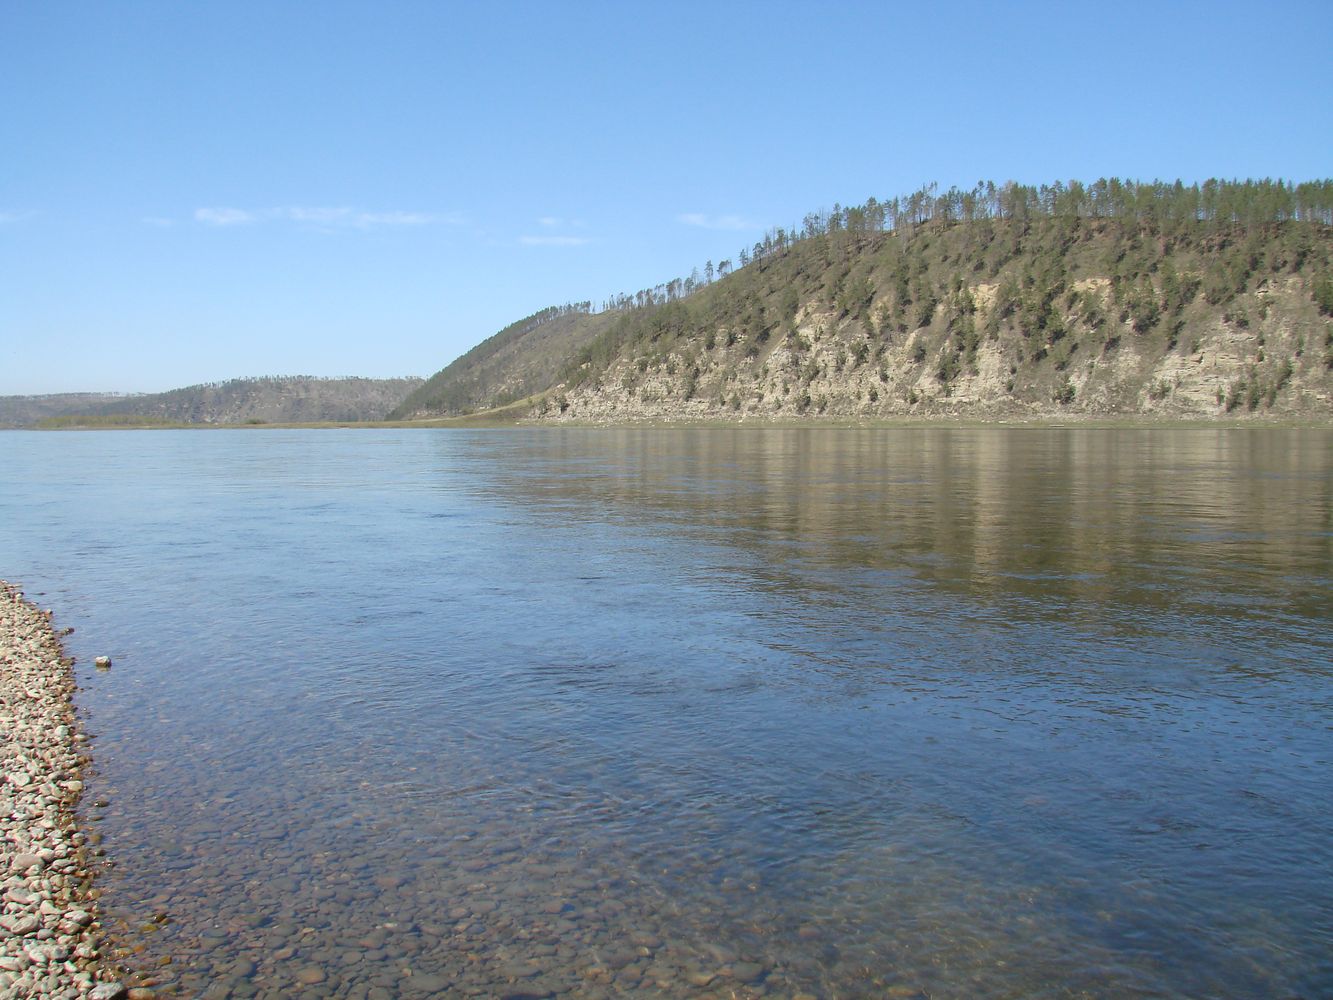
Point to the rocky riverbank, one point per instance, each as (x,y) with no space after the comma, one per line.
(49,932)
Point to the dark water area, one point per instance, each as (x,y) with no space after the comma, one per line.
(707,712)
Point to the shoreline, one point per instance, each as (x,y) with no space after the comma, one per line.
(51,940)
(488,421)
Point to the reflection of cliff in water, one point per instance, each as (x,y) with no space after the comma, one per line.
(1032,523)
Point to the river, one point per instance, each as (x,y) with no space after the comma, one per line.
(907,712)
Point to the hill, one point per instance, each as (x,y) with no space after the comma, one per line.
(291,399)
(1109,298)
(521,360)
(24,411)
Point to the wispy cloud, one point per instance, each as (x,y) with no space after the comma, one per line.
(321,217)
(225,216)
(703,221)
(8,218)
(558,222)
(352,218)
(553,241)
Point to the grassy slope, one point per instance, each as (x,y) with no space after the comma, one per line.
(520,361)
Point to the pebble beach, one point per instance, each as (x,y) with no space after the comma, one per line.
(50,938)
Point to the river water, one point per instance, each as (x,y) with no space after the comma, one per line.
(705,712)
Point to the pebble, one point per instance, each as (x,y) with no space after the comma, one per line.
(426,983)
(20,925)
(747,972)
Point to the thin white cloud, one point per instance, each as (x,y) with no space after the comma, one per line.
(366,219)
(326,218)
(344,218)
(225,216)
(315,216)
(548,221)
(9,218)
(727,222)
(553,241)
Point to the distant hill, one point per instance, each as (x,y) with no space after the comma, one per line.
(24,411)
(1211,300)
(521,360)
(291,399)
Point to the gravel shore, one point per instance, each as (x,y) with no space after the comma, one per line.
(49,932)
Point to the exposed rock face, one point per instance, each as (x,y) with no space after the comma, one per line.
(829,368)
(49,934)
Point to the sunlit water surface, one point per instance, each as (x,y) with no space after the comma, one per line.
(539,712)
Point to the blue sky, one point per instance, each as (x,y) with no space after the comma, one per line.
(196,192)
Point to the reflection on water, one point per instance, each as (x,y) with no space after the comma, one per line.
(832,713)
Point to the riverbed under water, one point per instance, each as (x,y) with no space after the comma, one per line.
(990,712)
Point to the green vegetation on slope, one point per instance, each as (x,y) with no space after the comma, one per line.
(521,360)
(74,420)
(25,411)
(1109,298)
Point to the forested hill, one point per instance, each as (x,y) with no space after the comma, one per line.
(1108,298)
(290,399)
